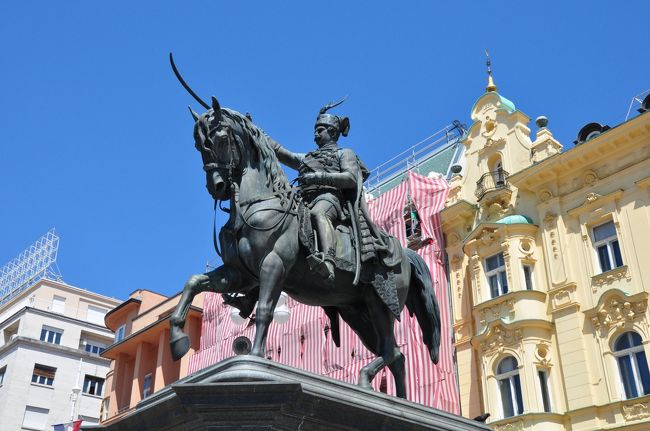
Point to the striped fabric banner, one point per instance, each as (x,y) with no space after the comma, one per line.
(305,341)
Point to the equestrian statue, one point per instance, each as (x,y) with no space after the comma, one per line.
(315,241)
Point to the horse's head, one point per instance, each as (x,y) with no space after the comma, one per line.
(220,141)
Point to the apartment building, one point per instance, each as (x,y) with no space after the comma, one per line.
(51,336)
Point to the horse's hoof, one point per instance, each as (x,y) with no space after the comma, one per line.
(364,382)
(179,347)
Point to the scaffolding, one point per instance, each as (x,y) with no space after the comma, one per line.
(636,102)
(416,155)
(36,262)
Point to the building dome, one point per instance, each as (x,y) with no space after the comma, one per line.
(515,219)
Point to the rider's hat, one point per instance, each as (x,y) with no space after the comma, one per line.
(342,124)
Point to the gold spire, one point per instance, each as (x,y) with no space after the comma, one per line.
(491,86)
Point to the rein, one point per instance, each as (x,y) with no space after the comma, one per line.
(231,166)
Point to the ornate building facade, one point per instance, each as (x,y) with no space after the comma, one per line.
(547,259)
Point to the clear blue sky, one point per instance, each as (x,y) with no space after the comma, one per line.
(96,140)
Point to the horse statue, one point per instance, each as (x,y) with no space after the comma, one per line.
(263,255)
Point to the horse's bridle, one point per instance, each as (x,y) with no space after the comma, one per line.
(236,172)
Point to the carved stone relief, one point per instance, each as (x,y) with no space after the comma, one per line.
(563,297)
(589,178)
(512,426)
(550,219)
(609,277)
(636,411)
(502,310)
(543,354)
(617,311)
(488,237)
(591,197)
(544,195)
(499,337)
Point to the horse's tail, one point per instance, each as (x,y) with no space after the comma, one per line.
(422,302)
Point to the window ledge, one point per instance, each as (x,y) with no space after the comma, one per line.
(609,277)
(99,397)
(524,419)
(42,386)
(512,296)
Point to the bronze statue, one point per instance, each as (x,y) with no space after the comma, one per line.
(331,180)
(268,244)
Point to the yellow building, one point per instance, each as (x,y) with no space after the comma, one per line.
(549,262)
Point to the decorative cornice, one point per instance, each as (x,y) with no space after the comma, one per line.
(594,200)
(563,163)
(56,349)
(457,212)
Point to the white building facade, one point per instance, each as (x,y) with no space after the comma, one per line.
(50,369)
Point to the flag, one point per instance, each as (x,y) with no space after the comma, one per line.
(70,426)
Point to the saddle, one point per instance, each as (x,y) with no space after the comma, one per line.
(378,262)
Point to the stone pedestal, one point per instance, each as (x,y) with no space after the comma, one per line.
(253,394)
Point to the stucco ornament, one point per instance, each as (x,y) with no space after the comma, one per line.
(592,197)
(504,310)
(512,426)
(617,311)
(589,178)
(489,127)
(488,237)
(500,337)
(543,354)
(636,411)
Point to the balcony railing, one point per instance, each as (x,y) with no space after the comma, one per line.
(491,181)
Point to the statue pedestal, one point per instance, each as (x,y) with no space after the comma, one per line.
(253,394)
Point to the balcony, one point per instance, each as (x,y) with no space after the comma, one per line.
(490,181)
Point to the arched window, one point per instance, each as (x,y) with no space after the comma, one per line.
(632,364)
(510,387)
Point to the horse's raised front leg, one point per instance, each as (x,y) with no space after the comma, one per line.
(224,279)
(272,276)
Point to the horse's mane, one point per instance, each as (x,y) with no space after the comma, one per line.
(275,176)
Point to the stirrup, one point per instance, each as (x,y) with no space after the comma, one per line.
(318,263)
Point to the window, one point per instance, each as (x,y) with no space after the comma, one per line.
(93,385)
(43,375)
(528,276)
(607,248)
(3,370)
(51,335)
(119,334)
(510,387)
(96,315)
(632,365)
(94,348)
(147,386)
(498,174)
(35,418)
(495,271)
(543,385)
(58,304)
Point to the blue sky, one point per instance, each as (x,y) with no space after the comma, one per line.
(96,139)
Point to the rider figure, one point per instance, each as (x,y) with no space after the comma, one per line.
(325,175)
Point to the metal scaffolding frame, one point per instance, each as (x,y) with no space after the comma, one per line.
(416,154)
(36,262)
(636,102)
